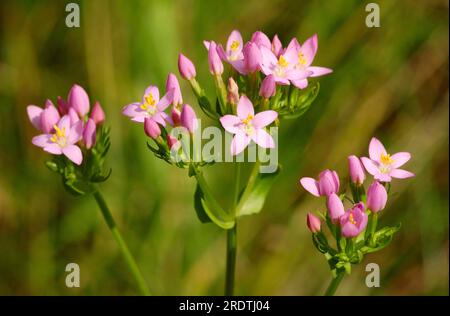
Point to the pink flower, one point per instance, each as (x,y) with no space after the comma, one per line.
(304,55)
(97,113)
(233,50)
(215,64)
(43,119)
(186,67)
(79,100)
(251,61)
(173,84)
(261,39)
(151,107)
(313,223)
(376,197)
(327,184)
(354,221)
(189,118)
(247,126)
(335,207)
(89,133)
(151,128)
(283,67)
(383,166)
(356,170)
(268,87)
(63,140)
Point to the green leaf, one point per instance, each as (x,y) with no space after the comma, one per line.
(300,101)
(254,200)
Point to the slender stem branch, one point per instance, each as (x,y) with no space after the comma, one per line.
(232,238)
(373,228)
(131,263)
(334,284)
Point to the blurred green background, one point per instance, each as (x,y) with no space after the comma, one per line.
(390,82)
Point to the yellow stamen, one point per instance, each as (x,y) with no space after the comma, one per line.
(301,59)
(248,119)
(351,219)
(149,101)
(282,62)
(234,45)
(386,159)
(59,136)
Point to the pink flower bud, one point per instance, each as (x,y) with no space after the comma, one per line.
(261,39)
(79,100)
(151,128)
(233,91)
(189,118)
(97,113)
(328,182)
(277,47)
(354,221)
(49,117)
(335,207)
(173,84)
(268,87)
(313,223)
(175,114)
(252,57)
(356,170)
(215,64)
(376,197)
(89,134)
(172,142)
(63,107)
(186,67)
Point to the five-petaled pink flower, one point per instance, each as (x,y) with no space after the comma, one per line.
(247,126)
(233,50)
(304,56)
(151,107)
(354,221)
(383,166)
(63,140)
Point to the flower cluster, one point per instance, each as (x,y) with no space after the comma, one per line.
(73,130)
(355,229)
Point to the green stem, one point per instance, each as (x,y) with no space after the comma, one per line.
(373,228)
(334,284)
(232,238)
(121,243)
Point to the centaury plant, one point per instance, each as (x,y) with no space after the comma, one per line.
(264,84)
(79,142)
(354,231)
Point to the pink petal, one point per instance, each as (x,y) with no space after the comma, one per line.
(301,84)
(165,101)
(34,114)
(221,52)
(76,132)
(141,117)
(370,166)
(297,74)
(53,149)
(239,143)
(206,44)
(383,177)
(245,108)
(239,65)
(309,49)
(65,123)
(401,174)
(73,153)
(291,54)
(319,71)
(235,36)
(263,139)
(376,149)
(159,118)
(230,123)
(262,119)
(132,110)
(400,159)
(42,140)
(268,57)
(293,45)
(310,185)
(154,91)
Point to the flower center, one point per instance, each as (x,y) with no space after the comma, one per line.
(234,46)
(282,62)
(351,219)
(248,126)
(149,105)
(386,159)
(60,136)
